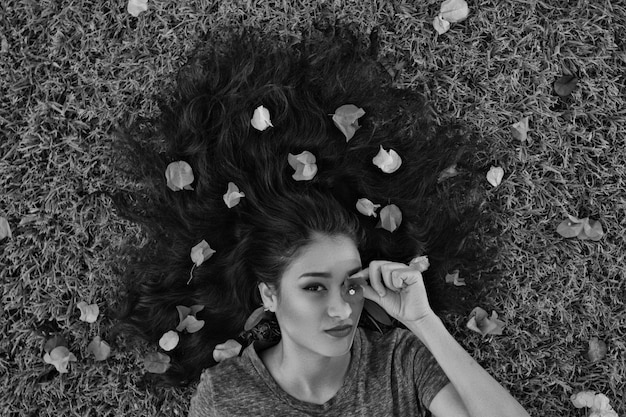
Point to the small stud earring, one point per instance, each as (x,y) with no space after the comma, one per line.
(266,308)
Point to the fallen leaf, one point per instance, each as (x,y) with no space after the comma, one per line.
(60,357)
(5,229)
(495,175)
(519,129)
(597,350)
(440,25)
(390,218)
(304,166)
(201,252)
(169,340)
(454,11)
(453,278)
(255,318)
(346,118)
(480,322)
(565,85)
(449,172)
(99,348)
(570,227)
(261,119)
(388,162)
(187,318)
(228,349)
(135,7)
(88,312)
(179,176)
(421,263)
(233,195)
(156,362)
(366,207)
(583,229)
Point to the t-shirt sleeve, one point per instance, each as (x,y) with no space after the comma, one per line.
(202,402)
(428,376)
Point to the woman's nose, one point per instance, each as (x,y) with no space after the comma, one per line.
(338,307)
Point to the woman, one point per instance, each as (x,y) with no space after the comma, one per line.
(305,235)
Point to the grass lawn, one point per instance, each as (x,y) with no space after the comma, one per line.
(73,72)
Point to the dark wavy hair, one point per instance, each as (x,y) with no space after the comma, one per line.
(205,121)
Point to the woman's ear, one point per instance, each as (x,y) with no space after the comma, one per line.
(268,295)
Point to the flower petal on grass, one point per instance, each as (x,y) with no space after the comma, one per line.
(597,349)
(440,25)
(233,195)
(390,218)
(304,165)
(366,207)
(60,357)
(88,312)
(519,129)
(135,7)
(481,323)
(201,252)
(346,118)
(388,161)
(454,10)
(228,349)
(99,348)
(179,176)
(156,362)
(261,119)
(5,229)
(495,175)
(169,340)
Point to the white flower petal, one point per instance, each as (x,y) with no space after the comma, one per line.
(495,175)
(261,119)
(169,340)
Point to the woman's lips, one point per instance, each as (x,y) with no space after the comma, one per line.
(341,331)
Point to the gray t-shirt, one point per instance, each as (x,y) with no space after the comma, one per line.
(389,375)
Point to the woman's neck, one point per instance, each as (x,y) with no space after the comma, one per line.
(303,374)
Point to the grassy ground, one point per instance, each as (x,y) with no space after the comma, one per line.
(72,71)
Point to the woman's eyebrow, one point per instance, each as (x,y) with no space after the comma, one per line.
(327,274)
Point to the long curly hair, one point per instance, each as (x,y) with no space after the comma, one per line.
(205,121)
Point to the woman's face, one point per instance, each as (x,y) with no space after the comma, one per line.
(318,307)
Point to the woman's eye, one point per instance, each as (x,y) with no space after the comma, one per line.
(315,288)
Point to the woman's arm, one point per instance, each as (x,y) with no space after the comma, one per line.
(481,395)
(399,289)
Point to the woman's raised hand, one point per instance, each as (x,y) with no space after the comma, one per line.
(397,288)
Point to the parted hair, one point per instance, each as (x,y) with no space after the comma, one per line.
(205,121)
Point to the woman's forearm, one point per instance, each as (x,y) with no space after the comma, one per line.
(482,395)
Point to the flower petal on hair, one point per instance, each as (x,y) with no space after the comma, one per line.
(187,319)
(390,217)
(453,278)
(201,252)
(304,165)
(481,323)
(421,263)
(228,349)
(261,119)
(449,172)
(346,118)
(440,25)
(5,229)
(60,357)
(454,10)
(156,362)
(366,207)
(135,7)
(99,348)
(495,175)
(179,176)
(388,162)
(169,340)
(88,312)
(233,195)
